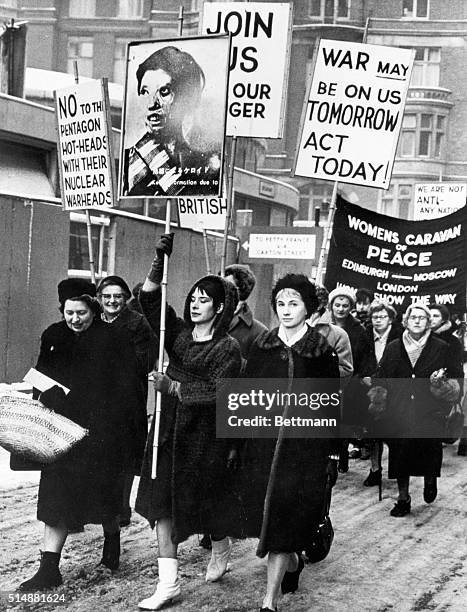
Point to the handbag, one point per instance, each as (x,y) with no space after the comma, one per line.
(454,424)
(33,432)
(323,536)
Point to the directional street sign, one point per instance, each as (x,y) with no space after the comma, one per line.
(271,244)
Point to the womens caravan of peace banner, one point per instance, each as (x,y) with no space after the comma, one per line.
(353,112)
(401,261)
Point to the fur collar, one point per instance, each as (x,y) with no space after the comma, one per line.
(313,344)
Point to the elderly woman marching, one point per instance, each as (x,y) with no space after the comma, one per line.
(383,329)
(297,483)
(98,365)
(113,293)
(191,492)
(413,394)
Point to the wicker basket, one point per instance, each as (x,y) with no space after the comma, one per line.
(29,429)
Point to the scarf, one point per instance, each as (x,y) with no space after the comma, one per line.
(414,347)
(295,338)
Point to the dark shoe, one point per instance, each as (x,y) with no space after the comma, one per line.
(76,529)
(47,576)
(111,552)
(373,479)
(364,453)
(462,448)
(343,464)
(268,610)
(125,517)
(205,542)
(430,492)
(289,582)
(401,508)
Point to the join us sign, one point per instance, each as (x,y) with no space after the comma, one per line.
(259,63)
(403,262)
(353,113)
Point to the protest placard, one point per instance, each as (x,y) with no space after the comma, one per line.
(202,213)
(174,117)
(259,63)
(353,112)
(85,145)
(401,261)
(434,200)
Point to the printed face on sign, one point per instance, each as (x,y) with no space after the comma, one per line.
(156,86)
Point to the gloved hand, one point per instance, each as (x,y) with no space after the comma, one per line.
(162,383)
(53,398)
(331,471)
(164,246)
(233,460)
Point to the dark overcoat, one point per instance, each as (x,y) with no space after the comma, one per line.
(193,485)
(98,366)
(298,493)
(144,343)
(413,422)
(245,329)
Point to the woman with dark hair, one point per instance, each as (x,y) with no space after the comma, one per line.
(382,330)
(191,492)
(97,364)
(414,388)
(113,294)
(283,504)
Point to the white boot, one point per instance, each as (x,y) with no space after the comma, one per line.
(220,554)
(168,587)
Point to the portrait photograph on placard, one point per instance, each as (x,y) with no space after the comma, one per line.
(174,117)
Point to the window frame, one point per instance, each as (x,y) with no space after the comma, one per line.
(424,66)
(435,134)
(103,225)
(415,4)
(86,12)
(323,6)
(70,60)
(125,3)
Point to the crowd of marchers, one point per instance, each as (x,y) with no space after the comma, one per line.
(399,378)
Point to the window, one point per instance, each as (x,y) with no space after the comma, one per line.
(80,49)
(317,195)
(422,135)
(415,9)
(395,202)
(82,8)
(426,67)
(326,8)
(130,9)
(120,60)
(78,262)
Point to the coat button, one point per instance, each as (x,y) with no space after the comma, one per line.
(411,397)
(413,375)
(284,355)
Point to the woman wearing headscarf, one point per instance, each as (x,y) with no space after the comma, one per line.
(113,294)
(85,486)
(342,301)
(414,388)
(191,492)
(285,514)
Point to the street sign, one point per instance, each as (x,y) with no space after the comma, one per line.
(85,145)
(274,244)
(434,200)
(353,112)
(259,63)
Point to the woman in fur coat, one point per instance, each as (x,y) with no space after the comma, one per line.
(191,492)
(294,350)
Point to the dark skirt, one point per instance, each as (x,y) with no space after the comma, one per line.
(298,495)
(78,497)
(193,486)
(414,457)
